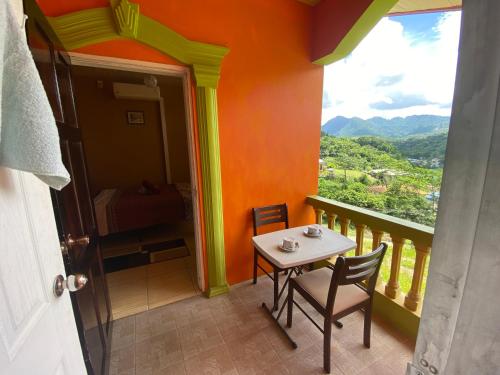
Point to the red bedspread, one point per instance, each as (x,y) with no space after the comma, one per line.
(129,210)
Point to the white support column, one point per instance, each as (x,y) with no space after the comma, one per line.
(459,329)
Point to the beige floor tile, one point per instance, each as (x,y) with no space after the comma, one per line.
(165,289)
(130,296)
(123,333)
(379,368)
(310,361)
(175,369)
(168,268)
(213,361)
(192,311)
(127,275)
(122,361)
(199,337)
(139,289)
(254,354)
(158,352)
(154,322)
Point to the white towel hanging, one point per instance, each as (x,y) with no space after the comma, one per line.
(29,140)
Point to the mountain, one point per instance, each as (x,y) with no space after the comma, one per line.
(397,127)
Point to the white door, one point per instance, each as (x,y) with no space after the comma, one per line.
(37,330)
(38,333)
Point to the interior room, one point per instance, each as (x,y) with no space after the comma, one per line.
(135,140)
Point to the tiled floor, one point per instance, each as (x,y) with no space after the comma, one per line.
(139,289)
(231,334)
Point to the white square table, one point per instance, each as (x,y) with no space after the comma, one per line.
(311,249)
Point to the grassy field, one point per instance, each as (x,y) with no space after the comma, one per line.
(407,260)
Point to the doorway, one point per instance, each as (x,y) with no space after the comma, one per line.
(137,131)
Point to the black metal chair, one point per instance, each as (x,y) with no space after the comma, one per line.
(261,216)
(338,291)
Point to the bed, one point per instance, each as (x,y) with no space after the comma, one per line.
(119,210)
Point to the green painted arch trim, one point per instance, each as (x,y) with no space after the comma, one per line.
(372,15)
(83,28)
(122,19)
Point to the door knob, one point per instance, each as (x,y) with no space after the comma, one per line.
(78,241)
(72,283)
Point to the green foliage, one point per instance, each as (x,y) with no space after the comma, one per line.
(364,179)
(350,192)
(424,148)
(371,173)
(378,143)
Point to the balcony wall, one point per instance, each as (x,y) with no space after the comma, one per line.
(401,308)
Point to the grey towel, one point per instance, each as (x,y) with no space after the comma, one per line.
(29,140)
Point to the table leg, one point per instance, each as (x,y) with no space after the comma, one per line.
(276,288)
(276,320)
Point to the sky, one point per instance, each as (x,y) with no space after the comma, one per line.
(405,66)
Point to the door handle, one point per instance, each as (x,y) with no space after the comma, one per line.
(69,242)
(78,241)
(72,283)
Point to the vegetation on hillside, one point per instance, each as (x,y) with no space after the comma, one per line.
(425,149)
(397,127)
(372,173)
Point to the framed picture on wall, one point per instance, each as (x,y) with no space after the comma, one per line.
(135,117)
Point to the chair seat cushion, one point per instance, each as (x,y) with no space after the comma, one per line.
(317,283)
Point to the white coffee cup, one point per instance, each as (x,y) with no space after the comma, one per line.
(313,229)
(290,243)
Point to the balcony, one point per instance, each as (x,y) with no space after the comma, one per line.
(231,334)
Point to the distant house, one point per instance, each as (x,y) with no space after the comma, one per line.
(384,173)
(435,163)
(322,165)
(433,196)
(417,162)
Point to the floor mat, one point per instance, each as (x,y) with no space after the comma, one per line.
(150,253)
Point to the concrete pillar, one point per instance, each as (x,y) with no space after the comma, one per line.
(460,325)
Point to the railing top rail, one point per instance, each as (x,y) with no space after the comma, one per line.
(418,233)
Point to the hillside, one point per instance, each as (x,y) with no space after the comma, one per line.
(423,148)
(371,173)
(397,127)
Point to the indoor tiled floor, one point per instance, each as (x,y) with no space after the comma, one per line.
(231,334)
(139,289)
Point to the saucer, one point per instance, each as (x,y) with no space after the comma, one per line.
(307,234)
(287,250)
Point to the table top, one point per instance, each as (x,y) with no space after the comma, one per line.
(310,249)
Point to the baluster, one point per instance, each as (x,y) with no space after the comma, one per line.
(377,238)
(413,298)
(392,287)
(344,226)
(360,237)
(331,220)
(319,215)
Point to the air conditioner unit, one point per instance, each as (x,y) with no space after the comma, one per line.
(135,92)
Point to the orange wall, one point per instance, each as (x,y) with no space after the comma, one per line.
(269,98)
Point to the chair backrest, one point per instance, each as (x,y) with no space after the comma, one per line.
(354,270)
(277,213)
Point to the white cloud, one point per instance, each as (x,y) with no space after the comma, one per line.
(391,68)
